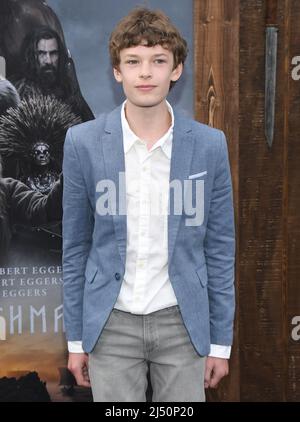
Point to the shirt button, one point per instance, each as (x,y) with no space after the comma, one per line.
(118,276)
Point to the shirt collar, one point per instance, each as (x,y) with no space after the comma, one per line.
(129,137)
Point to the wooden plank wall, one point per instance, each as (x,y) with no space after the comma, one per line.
(262,234)
(269,215)
(265,365)
(292,200)
(216,28)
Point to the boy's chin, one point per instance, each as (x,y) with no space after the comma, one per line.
(147,103)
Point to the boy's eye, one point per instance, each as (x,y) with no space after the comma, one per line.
(160,61)
(132,61)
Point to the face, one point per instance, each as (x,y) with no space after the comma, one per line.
(47,53)
(146,74)
(41,154)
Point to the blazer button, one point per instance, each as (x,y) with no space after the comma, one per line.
(118,276)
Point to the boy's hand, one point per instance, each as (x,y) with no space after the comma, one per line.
(78,364)
(215,370)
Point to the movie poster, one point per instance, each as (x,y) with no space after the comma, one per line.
(40,98)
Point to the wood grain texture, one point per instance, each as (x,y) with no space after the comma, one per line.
(269,214)
(271,12)
(261,195)
(216,28)
(230,86)
(292,181)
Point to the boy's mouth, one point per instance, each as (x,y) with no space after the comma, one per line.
(145,87)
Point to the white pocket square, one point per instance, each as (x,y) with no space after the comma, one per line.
(194,176)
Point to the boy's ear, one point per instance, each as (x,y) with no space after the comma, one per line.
(117,75)
(177,72)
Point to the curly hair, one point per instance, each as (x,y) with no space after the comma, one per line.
(150,28)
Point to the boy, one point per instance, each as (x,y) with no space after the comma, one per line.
(148,233)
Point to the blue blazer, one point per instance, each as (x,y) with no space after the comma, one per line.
(201,257)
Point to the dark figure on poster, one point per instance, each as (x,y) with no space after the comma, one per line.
(47,70)
(17,19)
(20,204)
(32,135)
(18,22)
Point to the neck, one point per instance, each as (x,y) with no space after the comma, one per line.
(148,123)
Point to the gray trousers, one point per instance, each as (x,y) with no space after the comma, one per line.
(130,344)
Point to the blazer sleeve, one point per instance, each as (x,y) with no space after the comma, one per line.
(219,247)
(78,223)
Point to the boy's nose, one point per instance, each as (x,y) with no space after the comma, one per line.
(145,72)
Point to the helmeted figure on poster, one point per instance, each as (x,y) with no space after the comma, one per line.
(41,159)
(32,136)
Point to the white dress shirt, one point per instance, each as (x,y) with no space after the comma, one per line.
(146,286)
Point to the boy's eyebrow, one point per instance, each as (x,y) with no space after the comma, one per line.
(154,55)
(160,54)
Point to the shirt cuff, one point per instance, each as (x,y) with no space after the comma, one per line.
(75,347)
(218,351)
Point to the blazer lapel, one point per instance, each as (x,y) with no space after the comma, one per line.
(113,152)
(182,152)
